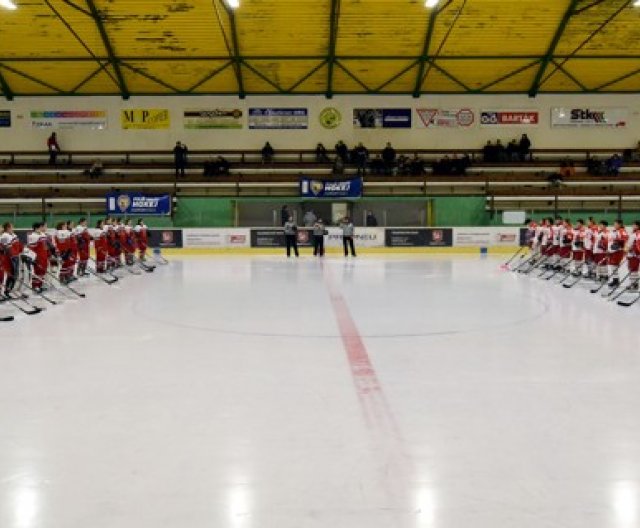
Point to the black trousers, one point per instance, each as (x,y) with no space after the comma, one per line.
(318,245)
(180,167)
(347,243)
(292,242)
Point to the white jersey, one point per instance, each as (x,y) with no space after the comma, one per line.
(555,234)
(601,242)
(589,238)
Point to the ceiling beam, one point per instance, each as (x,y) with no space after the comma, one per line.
(334,17)
(236,57)
(535,86)
(425,51)
(6,89)
(113,59)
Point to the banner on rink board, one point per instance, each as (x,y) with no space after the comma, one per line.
(145,119)
(486,236)
(278,118)
(509,117)
(69,119)
(311,188)
(364,237)
(420,237)
(382,118)
(138,204)
(590,117)
(5,118)
(445,117)
(216,238)
(165,238)
(215,118)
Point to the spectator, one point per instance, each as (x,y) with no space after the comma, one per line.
(218,167)
(614,164)
(371,220)
(284,214)
(501,152)
(309,218)
(321,154)
(567,169)
(595,167)
(460,165)
(389,159)
(488,152)
(342,151)
(443,167)
(95,170)
(53,147)
(525,148)
(377,165)
(361,156)
(416,166)
(338,165)
(513,150)
(180,158)
(267,153)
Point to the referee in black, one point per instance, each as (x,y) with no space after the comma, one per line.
(291,236)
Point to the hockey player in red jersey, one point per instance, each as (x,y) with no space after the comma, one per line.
(62,242)
(617,243)
(83,238)
(600,251)
(633,257)
(565,236)
(589,241)
(577,247)
(142,239)
(39,244)
(112,244)
(10,249)
(128,239)
(101,244)
(73,242)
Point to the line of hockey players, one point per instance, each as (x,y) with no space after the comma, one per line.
(56,258)
(588,250)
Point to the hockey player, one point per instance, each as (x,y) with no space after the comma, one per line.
(10,249)
(142,239)
(73,242)
(565,235)
(83,238)
(617,243)
(633,257)
(128,240)
(577,247)
(39,244)
(62,241)
(600,249)
(101,244)
(590,234)
(119,228)
(554,251)
(112,244)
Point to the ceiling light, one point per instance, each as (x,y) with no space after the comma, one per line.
(233,4)
(636,3)
(8,4)
(434,3)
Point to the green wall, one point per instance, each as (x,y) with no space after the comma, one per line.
(459,211)
(204,212)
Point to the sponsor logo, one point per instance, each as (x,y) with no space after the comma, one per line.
(303,236)
(579,114)
(437,235)
(237,239)
(167,237)
(330,118)
(317,187)
(507,237)
(124,202)
(509,118)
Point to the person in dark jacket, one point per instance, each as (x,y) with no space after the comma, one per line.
(525,148)
(284,214)
(342,151)
(291,236)
(267,153)
(372,221)
(318,238)
(180,158)
(53,148)
(389,158)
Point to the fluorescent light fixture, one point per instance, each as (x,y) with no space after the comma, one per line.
(636,3)
(233,4)
(8,4)
(434,3)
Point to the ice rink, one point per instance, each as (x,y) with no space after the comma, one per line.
(387,391)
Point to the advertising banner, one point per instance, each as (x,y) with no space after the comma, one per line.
(509,117)
(165,238)
(5,118)
(590,117)
(445,118)
(382,118)
(274,237)
(69,119)
(278,118)
(486,236)
(214,118)
(145,119)
(369,237)
(310,188)
(138,204)
(216,238)
(419,237)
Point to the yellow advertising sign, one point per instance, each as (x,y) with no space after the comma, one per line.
(145,118)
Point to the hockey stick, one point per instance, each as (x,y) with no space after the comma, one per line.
(626,304)
(604,282)
(64,285)
(505,266)
(159,258)
(7,319)
(24,284)
(14,302)
(618,287)
(101,275)
(144,266)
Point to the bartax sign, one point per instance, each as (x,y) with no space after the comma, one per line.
(509,117)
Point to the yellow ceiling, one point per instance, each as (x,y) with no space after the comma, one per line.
(68,47)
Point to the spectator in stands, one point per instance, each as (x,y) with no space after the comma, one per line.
(321,154)
(614,164)
(416,166)
(309,218)
(513,150)
(595,167)
(284,214)
(217,167)
(389,159)
(525,148)
(377,165)
(461,164)
(371,221)
(267,153)
(342,151)
(53,147)
(361,156)
(403,165)
(567,169)
(180,158)
(501,152)
(95,170)
(488,152)
(442,167)
(338,165)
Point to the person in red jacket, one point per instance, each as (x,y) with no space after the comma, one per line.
(53,148)
(101,243)
(38,243)
(10,249)
(83,238)
(142,239)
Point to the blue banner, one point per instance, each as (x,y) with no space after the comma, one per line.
(138,204)
(396,118)
(278,118)
(310,188)
(5,118)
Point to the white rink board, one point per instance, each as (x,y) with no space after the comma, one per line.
(216,238)
(371,237)
(486,236)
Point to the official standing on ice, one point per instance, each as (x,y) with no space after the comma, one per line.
(347,236)
(318,238)
(291,236)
